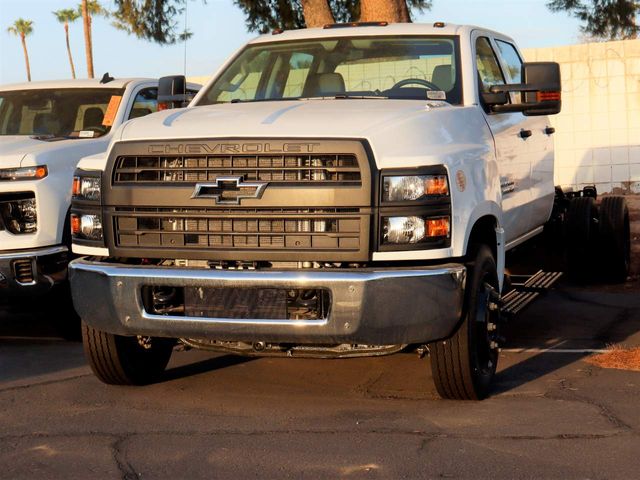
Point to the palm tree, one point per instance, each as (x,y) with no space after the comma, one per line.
(67,16)
(22,28)
(88,9)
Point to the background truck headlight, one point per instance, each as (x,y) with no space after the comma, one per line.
(18,212)
(24,173)
(408,188)
(86,187)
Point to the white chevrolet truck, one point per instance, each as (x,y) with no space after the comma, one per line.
(45,129)
(344,191)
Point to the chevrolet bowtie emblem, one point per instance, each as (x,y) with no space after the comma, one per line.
(229,190)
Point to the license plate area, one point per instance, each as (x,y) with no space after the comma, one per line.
(241,303)
(237,303)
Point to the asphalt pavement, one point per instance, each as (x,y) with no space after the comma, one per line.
(551,414)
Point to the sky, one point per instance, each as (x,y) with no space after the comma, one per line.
(219,29)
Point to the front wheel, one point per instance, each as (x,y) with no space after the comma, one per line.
(120,360)
(463,366)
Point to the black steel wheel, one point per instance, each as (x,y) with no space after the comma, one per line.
(581,235)
(615,239)
(463,366)
(119,360)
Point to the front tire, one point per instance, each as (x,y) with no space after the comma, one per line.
(463,366)
(120,360)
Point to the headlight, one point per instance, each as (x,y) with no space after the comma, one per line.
(86,187)
(25,173)
(18,212)
(86,226)
(414,229)
(409,188)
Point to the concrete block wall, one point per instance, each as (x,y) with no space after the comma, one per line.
(597,137)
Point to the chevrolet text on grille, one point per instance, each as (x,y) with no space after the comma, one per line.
(200,148)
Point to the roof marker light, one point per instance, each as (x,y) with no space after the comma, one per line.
(438,25)
(356,24)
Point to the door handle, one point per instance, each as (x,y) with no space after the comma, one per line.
(549,130)
(525,133)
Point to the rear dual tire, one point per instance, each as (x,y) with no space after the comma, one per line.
(597,239)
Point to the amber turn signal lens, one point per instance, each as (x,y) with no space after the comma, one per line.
(437,185)
(75,224)
(548,96)
(438,227)
(75,190)
(41,172)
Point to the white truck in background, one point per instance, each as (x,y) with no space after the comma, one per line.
(45,129)
(344,191)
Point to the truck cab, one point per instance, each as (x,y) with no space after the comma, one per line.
(331,192)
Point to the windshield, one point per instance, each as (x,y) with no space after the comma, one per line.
(387,67)
(70,112)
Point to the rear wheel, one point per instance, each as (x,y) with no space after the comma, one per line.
(581,235)
(120,360)
(615,238)
(464,365)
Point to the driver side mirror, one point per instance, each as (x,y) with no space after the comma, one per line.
(540,91)
(172,91)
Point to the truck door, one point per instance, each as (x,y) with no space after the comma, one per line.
(539,144)
(513,135)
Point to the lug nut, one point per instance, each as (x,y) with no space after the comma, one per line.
(491,327)
(493,345)
(493,306)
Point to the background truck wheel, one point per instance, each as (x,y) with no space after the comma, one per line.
(119,360)
(615,238)
(580,240)
(463,366)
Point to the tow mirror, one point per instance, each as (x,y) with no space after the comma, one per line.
(172,92)
(540,91)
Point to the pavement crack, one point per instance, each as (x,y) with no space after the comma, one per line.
(127,471)
(44,383)
(603,410)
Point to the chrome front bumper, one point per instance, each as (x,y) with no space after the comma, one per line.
(368,306)
(33,271)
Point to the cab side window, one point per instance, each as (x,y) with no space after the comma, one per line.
(489,72)
(509,55)
(146,102)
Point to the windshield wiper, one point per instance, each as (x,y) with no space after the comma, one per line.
(240,100)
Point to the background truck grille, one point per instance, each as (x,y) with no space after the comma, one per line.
(274,229)
(278,169)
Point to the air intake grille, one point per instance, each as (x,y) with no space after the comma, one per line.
(23,271)
(273,229)
(335,169)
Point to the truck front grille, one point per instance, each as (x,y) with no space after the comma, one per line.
(323,230)
(279,169)
(185,200)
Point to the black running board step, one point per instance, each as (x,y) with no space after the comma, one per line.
(526,288)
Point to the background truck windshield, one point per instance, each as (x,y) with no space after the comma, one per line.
(57,112)
(394,67)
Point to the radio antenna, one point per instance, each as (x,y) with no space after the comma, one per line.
(186,36)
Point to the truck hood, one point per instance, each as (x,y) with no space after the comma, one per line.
(13,149)
(296,118)
(25,151)
(397,130)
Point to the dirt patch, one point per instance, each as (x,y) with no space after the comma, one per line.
(618,357)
